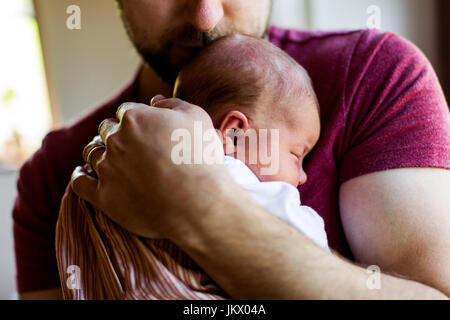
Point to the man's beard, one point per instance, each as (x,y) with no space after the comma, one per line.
(165,62)
(162,60)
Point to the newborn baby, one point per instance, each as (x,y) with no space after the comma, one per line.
(244,84)
(248,85)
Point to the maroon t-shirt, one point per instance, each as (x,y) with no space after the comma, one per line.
(381,108)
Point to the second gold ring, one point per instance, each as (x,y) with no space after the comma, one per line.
(91,153)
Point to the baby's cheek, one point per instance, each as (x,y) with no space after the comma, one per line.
(288,172)
(267,172)
(284,169)
(293,174)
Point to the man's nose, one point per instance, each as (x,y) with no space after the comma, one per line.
(204,15)
(302,178)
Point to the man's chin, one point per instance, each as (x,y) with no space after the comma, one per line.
(182,55)
(169,65)
(165,70)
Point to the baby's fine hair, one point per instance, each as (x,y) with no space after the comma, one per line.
(238,69)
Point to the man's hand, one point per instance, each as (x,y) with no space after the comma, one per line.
(137,184)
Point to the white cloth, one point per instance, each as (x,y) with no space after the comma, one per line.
(280,199)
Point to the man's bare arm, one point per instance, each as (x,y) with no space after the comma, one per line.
(253,255)
(400,221)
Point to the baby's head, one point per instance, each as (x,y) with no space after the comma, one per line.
(248,84)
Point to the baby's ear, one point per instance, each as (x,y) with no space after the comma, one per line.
(233,124)
(229,143)
(234,120)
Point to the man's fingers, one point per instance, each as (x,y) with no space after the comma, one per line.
(95,157)
(85,186)
(97,141)
(126,107)
(106,128)
(156,98)
(166,103)
(171,103)
(175,104)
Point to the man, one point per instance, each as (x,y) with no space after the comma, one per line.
(379,175)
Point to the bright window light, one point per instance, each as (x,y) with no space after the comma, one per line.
(24,105)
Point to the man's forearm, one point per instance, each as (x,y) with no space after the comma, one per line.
(259,257)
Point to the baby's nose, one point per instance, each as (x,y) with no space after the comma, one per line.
(302,178)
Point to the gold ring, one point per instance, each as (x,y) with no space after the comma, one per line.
(91,152)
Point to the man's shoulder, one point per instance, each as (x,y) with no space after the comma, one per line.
(364,38)
(342,62)
(283,35)
(348,47)
(320,43)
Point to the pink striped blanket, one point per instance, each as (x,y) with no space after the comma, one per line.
(112,263)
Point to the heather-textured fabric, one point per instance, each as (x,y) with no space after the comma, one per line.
(382,108)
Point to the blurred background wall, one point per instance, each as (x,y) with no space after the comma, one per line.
(84,67)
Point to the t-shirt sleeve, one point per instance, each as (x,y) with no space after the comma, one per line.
(395,110)
(34,221)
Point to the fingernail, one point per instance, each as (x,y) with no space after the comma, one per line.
(156,99)
(77,172)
